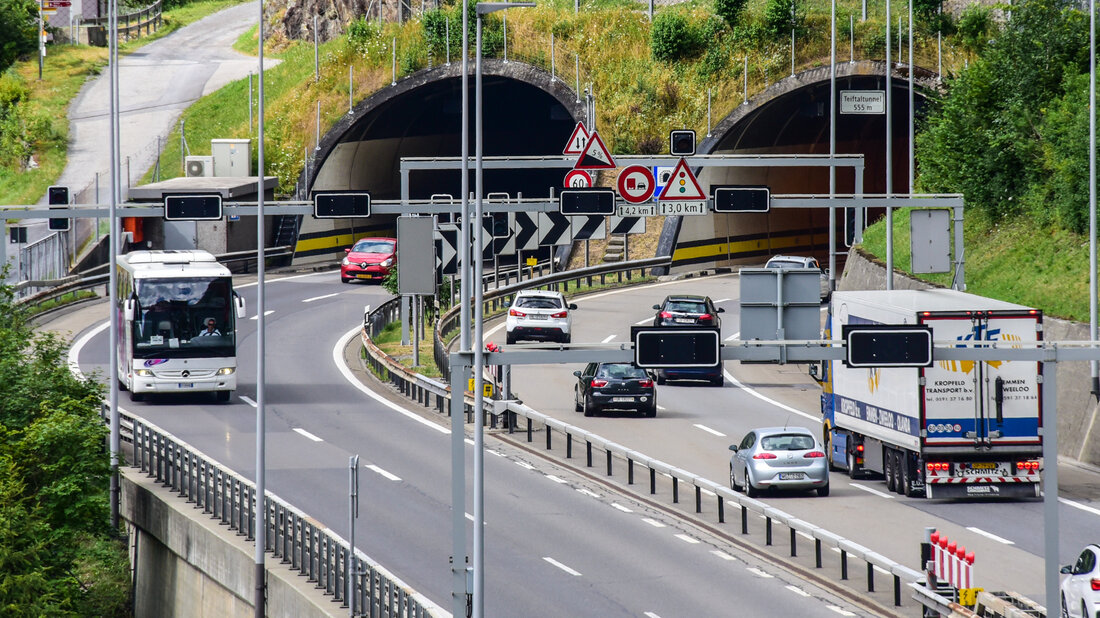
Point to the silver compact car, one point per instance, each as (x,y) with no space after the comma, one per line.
(780,262)
(779,458)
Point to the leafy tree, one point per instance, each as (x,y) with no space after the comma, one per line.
(730,10)
(58,556)
(17,30)
(976,27)
(780,17)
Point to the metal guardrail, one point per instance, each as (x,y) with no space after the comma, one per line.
(434,394)
(149,18)
(302,543)
(493,299)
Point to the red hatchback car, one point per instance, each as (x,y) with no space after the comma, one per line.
(369,259)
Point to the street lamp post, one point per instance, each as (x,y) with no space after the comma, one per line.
(483,8)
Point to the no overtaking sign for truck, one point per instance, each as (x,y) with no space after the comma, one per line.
(636,184)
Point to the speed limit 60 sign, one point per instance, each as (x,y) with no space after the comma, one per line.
(636,184)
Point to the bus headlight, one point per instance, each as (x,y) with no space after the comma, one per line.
(224,371)
(143,373)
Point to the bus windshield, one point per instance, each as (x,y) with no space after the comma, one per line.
(178,318)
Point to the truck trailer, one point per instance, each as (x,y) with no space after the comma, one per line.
(953,429)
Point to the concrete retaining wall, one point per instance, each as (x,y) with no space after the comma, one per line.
(187,564)
(1078,425)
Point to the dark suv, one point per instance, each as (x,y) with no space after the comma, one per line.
(619,386)
(689,310)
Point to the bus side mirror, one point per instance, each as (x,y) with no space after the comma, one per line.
(128,310)
(239,302)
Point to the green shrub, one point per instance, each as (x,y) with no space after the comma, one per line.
(976,27)
(362,32)
(673,38)
(18,25)
(730,10)
(780,16)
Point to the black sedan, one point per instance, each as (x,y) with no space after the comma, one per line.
(687,310)
(618,386)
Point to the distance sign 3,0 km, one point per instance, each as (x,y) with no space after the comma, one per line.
(682,194)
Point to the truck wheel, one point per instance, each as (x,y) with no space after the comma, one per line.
(889,468)
(852,472)
(905,479)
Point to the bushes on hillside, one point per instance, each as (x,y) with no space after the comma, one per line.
(673,37)
(17,30)
(730,10)
(22,128)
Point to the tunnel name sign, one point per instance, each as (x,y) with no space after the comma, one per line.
(863,101)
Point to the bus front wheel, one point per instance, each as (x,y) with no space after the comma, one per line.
(223,396)
(136,396)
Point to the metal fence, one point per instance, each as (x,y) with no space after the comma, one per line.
(131,24)
(43,260)
(289,534)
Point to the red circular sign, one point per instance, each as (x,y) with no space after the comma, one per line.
(578,179)
(636,184)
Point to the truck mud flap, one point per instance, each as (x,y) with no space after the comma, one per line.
(983,490)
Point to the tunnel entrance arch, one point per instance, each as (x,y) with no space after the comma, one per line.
(792,117)
(525,112)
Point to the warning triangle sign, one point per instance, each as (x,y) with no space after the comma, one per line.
(577,141)
(682,185)
(595,155)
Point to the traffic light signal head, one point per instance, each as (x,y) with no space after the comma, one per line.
(58,196)
(682,143)
(192,207)
(741,199)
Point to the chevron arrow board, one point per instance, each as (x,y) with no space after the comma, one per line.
(588,228)
(446,259)
(625,225)
(525,231)
(507,245)
(554,229)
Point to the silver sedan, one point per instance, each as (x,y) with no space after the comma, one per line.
(779,458)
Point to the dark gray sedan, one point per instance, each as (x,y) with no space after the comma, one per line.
(779,458)
(618,386)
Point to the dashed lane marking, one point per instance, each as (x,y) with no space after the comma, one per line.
(248,401)
(653,522)
(608,338)
(723,555)
(588,492)
(880,494)
(524,464)
(266,313)
(388,475)
(561,566)
(307,434)
(621,507)
(710,431)
(990,535)
(842,612)
(687,539)
(309,300)
(798,591)
(556,479)
(759,573)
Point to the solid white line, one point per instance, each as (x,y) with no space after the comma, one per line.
(608,338)
(798,591)
(309,300)
(842,612)
(1078,505)
(723,555)
(687,539)
(653,522)
(645,321)
(561,566)
(723,300)
(388,475)
(651,615)
(338,360)
(248,401)
(872,491)
(588,493)
(556,479)
(257,316)
(621,507)
(248,285)
(74,351)
(710,431)
(757,572)
(737,383)
(307,434)
(524,464)
(990,535)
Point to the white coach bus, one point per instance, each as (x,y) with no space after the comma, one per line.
(177,324)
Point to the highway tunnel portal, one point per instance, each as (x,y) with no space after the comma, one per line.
(528,112)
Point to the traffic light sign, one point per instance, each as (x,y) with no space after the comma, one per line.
(500,227)
(681,143)
(600,201)
(341,205)
(192,207)
(739,198)
(657,347)
(58,197)
(888,345)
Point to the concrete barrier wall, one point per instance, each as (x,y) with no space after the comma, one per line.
(1078,425)
(186,564)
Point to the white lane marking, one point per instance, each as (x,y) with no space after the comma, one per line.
(497,453)
(651,615)
(1078,505)
(388,475)
(74,351)
(471,518)
(738,384)
(653,522)
(588,493)
(307,434)
(869,490)
(687,539)
(608,338)
(248,285)
(842,612)
(309,300)
(662,408)
(731,337)
(266,313)
(338,360)
(621,507)
(645,321)
(798,591)
(990,535)
(524,464)
(710,431)
(248,401)
(556,479)
(723,300)
(757,572)
(469,441)
(561,566)
(723,555)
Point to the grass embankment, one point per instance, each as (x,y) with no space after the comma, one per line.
(65,70)
(1014,261)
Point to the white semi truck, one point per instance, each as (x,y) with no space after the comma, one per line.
(954,429)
